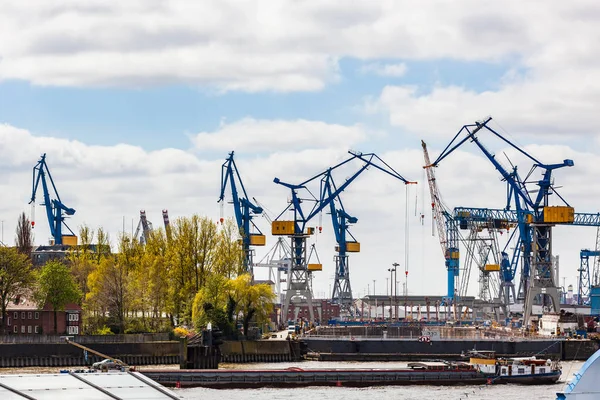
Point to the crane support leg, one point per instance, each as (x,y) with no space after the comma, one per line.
(542,269)
(298,280)
(342,293)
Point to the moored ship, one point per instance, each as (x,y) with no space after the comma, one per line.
(523,370)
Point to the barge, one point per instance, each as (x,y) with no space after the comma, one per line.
(481,369)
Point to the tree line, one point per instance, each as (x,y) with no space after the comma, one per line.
(188,276)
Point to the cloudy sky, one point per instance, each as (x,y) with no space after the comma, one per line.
(138,103)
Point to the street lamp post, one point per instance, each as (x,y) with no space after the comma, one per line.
(396,265)
(391,271)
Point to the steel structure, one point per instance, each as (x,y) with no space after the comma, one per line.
(341,221)
(144,228)
(243,208)
(446,229)
(509,263)
(55,209)
(583,288)
(535,231)
(298,231)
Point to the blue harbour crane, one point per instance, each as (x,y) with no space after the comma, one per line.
(535,216)
(297,229)
(446,229)
(341,221)
(243,208)
(56,211)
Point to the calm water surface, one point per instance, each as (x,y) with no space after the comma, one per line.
(483,392)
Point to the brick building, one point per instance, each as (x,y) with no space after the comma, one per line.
(24,317)
(324,310)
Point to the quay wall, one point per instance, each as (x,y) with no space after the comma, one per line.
(260,351)
(63,354)
(332,349)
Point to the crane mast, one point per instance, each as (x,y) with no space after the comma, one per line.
(165,214)
(446,229)
(244,210)
(55,209)
(144,228)
(341,220)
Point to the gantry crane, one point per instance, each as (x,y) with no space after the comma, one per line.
(55,209)
(144,228)
(243,208)
(509,263)
(535,216)
(297,230)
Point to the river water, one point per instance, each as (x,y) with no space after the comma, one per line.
(483,392)
(477,392)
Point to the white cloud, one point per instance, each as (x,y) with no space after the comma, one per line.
(392,70)
(254,135)
(288,46)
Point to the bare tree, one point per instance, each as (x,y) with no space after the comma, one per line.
(24,239)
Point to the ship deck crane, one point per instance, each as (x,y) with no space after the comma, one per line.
(535,232)
(55,208)
(297,230)
(243,208)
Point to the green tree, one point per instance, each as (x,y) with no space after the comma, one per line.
(57,287)
(229,254)
(16,278)
(191,257)
(211,304)
(254,301)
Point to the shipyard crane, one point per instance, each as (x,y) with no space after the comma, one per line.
(243,208)
(297,230)
(479,250)
(503,218)
(165,214)
(55,209)
(535,230)
(446,229)
(144,228)
(585,280)
(341,220)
